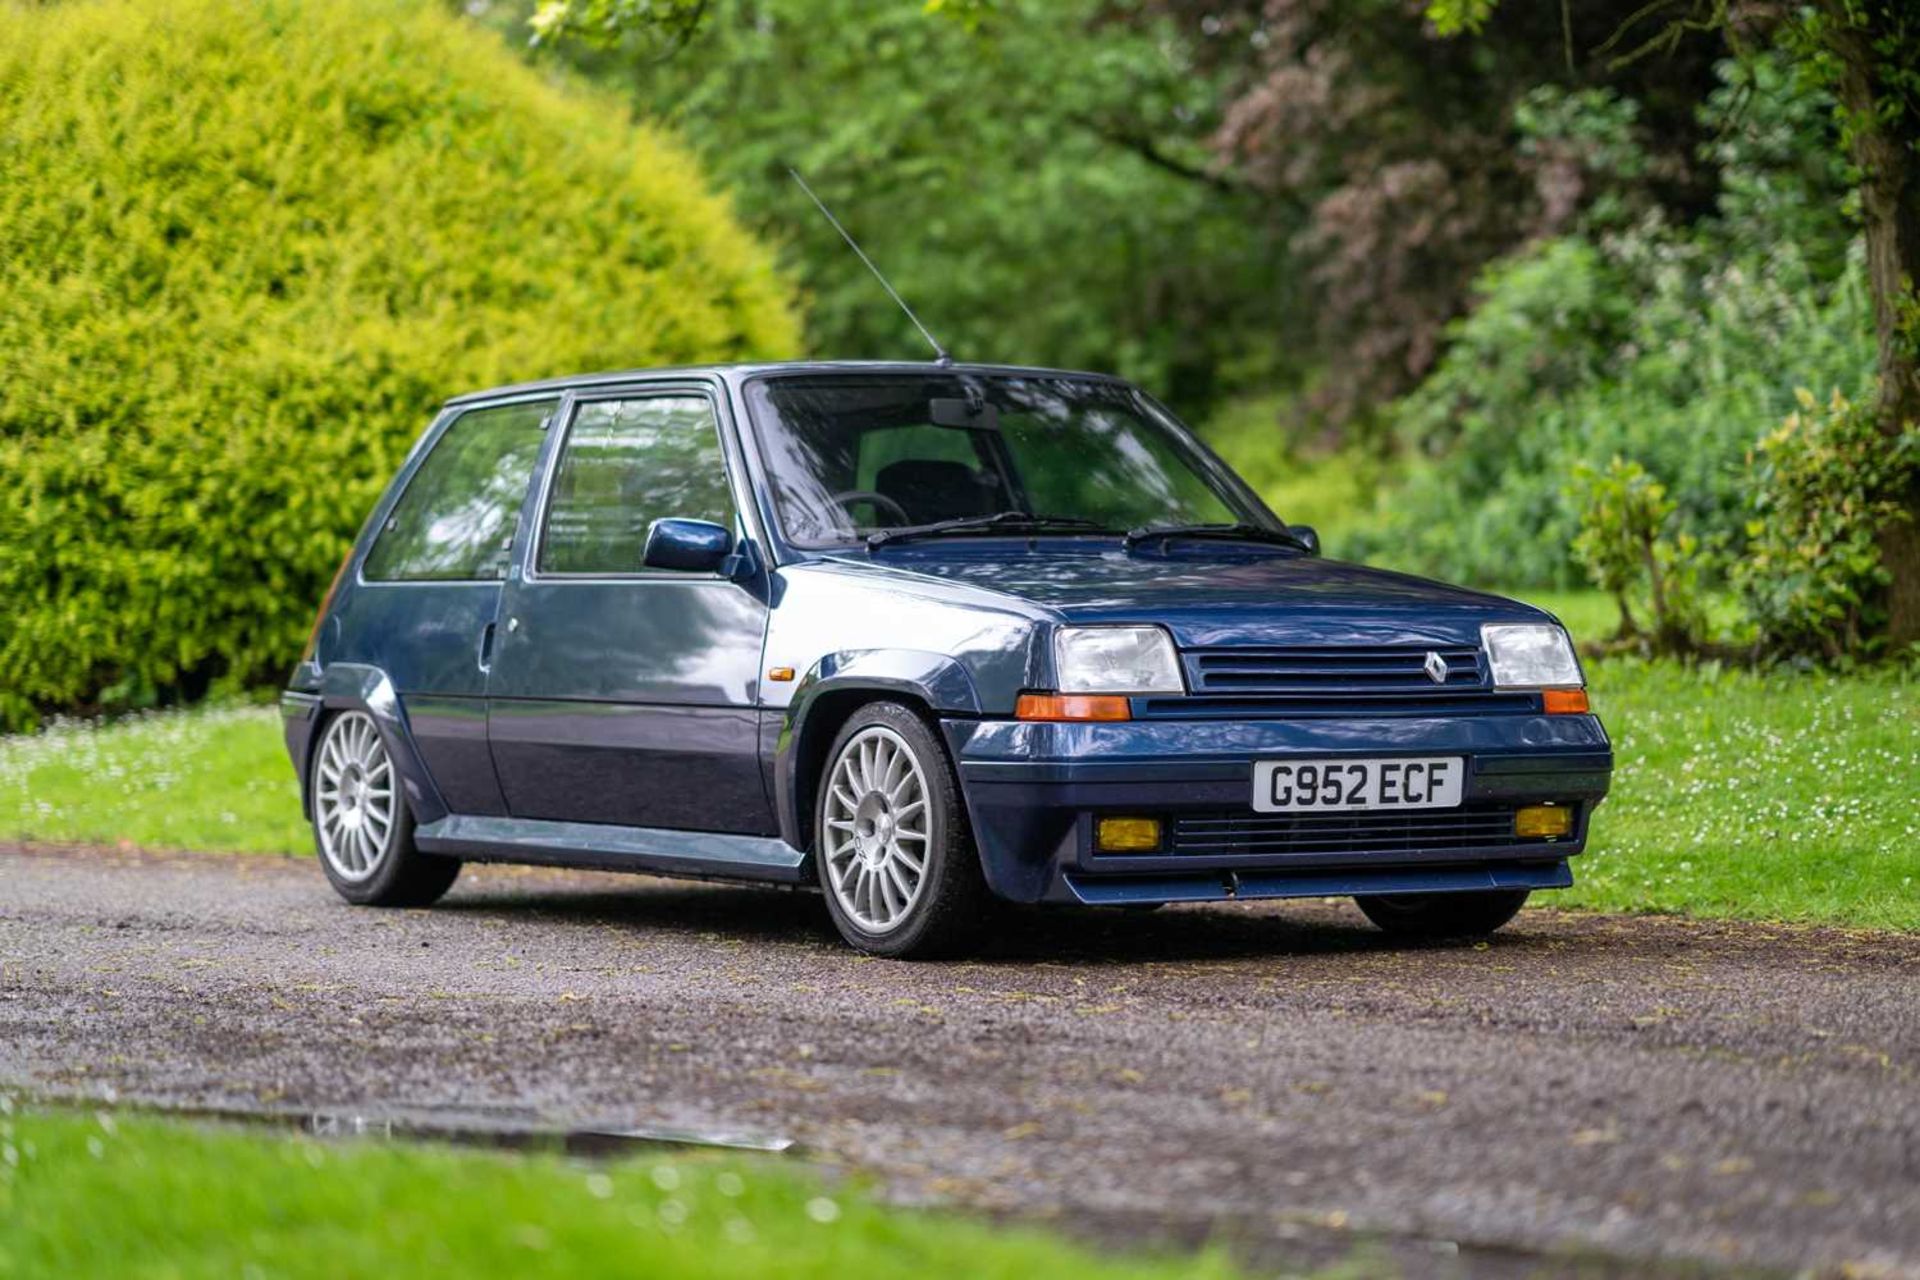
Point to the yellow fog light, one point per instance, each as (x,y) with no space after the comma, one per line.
(1542,821)
(1127,835)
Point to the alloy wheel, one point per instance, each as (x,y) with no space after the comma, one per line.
(877,829)
(353,797)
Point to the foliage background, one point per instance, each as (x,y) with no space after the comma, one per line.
(1039,186)
(1674,345)
(1414,288)
(245,249)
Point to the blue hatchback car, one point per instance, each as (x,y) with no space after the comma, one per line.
(924,636)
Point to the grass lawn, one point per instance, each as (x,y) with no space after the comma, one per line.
(1774,796)
(215,778)
(128,1197)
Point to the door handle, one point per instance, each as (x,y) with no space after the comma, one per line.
(486,647)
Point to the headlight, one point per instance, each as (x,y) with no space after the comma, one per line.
(1530,656)
(1115,660)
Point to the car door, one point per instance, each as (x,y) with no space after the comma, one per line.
(623,694)
(423,608)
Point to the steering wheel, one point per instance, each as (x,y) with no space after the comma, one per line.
(846,498)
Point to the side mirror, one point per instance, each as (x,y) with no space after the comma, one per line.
(1307,535)
(691,546)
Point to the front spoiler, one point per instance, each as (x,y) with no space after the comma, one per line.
(1119,891)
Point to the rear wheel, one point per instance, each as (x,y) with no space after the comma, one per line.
(362,825)
(1443,915)
(894,853)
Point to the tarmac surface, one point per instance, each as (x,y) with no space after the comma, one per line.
(1583,1095)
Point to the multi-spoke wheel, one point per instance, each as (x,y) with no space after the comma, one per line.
(353,797)
(362,824)
(894,854)
(876,829)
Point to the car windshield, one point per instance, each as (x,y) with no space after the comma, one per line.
(852,455)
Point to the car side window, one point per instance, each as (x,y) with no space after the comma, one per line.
(456,520)
(625,464)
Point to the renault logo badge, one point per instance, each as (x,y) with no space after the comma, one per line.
(1436,668)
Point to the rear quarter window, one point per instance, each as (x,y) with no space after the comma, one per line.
(457,518)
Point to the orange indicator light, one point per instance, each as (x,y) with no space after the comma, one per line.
(1566,702)
(1072,706)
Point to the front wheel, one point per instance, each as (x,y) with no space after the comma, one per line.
(1443,915)
(362,825)
(894,853)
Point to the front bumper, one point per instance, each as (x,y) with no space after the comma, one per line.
(1034,790)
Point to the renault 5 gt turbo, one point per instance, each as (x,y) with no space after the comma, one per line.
(922,636)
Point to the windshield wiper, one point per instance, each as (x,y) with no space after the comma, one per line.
(1009,521)
(1225,532)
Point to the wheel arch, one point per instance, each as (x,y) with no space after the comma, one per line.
(348,686)
(831,693)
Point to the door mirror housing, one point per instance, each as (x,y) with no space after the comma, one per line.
(1308,536)
(689,546)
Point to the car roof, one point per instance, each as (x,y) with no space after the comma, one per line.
(741,372)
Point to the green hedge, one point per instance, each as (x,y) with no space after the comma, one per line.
(245,247)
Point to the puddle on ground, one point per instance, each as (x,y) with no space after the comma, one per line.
(584,1141)
(508,1129)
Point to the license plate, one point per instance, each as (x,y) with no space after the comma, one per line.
(1337,786)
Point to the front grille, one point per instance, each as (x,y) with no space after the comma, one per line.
(1321,671)
(1352,706)
(1347,680)
(1413,831)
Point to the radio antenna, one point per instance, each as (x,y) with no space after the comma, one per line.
(940,352)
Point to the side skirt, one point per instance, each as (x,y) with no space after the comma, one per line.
(598,847)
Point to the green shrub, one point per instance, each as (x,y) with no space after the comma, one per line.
(1673,346)
(1629,549)
(1708,358)
(1819,487)
(244,250)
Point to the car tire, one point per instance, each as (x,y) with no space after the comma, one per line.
(362,825)
(1443,915)
(888,798)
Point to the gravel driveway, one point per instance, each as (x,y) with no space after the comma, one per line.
(1586,1094)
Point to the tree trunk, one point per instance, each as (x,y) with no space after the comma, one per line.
(1662,627)
(1886,147)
